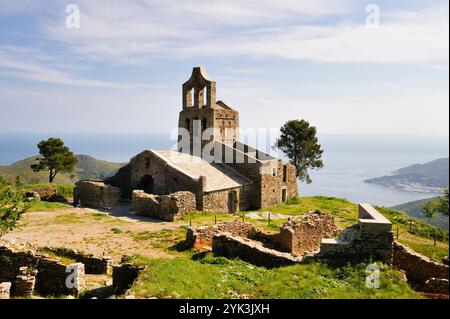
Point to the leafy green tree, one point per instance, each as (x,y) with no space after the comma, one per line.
(441,205)
(12,206)
(429,210)
(55,158)
(18,181)
(299,142)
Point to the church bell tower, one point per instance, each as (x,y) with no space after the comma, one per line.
(202,119)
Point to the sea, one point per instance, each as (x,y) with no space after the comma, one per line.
(348,159)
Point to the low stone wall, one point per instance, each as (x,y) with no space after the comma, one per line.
(436,286)
(92,265)
(164,207)
(201,237)
(251,251)
(45,192)
(5,290)
(96,194)
(303,234)
(124,276)
(420,269)
(371,238)
(53,278)
(50,274)
(25,282)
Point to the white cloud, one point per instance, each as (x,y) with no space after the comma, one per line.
(35,71)
(287,29)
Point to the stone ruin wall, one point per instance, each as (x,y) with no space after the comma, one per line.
(251,251)
(217,201)
(27,270)
(305,233)
(300,238)
(93,265)
(97,194)
(124,275)
(164,207)
(201,237)
(371,238)
(291,182)
(427,275)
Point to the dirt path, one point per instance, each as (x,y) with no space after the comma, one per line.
(114,234)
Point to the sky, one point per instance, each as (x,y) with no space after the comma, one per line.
(348,67)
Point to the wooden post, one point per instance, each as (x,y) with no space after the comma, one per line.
(243,217)
(397,233)
(215,219)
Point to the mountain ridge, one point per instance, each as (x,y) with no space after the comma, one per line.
(430,177)
(87,167)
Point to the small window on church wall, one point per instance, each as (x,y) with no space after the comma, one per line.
(147,163)
(274,171)
(192,97)
(284,173)
(204,96)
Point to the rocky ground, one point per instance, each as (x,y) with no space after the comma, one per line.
(114,234)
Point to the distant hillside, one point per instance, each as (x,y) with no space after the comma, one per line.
(414,209)
(430,177)
(87,168)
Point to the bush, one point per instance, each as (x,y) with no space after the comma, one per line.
(12,206)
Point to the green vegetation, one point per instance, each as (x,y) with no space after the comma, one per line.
(420,235)
(299,142)
(86,168)
(63,259)
(55,158)
(42,206)
(438,206)
(63,191)
(116,230)
(218,277)
(414,209)
(12,206)
(442,203)
(192,275)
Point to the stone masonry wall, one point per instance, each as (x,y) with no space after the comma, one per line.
(371,238)
(96,194)
(92,264)
(201,237)
(124,275)
(217,201)
(50,274)
(251,251)
(291,182)
(420,269)
(164,207)
(305,233)
(166,179)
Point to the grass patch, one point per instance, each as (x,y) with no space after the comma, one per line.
(71,218)
(116,230)
(41,206)
(99,216)
(218,277)
(166,239)
(63,259)
(346,213)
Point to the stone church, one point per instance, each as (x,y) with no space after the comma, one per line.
(228,177)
